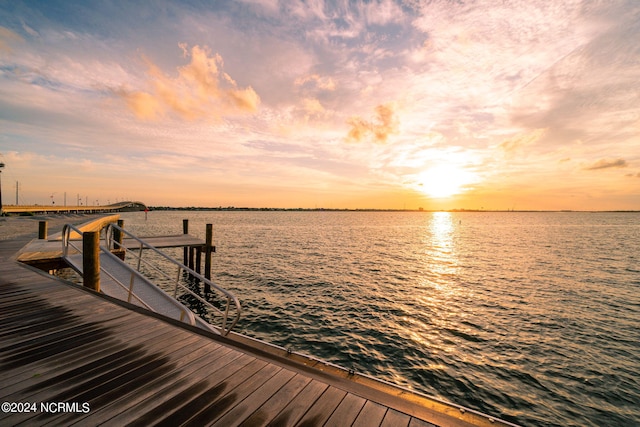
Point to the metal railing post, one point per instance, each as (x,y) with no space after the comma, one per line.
(140,255)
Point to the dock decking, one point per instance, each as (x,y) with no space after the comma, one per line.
(111,363)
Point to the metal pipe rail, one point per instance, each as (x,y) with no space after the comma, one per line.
(232,303)
(67,242)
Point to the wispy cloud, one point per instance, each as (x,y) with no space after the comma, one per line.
(607,164)
(522,141)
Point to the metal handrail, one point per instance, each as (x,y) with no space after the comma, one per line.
(231,299)
(66,242)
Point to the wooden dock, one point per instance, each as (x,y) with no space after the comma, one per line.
(78,357)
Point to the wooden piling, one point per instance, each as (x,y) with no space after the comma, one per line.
(185,230)
(118,235)
(42,230)
(91,260)
(192,250)
(118,250)
(208,247)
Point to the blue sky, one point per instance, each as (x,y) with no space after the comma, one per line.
(382,104)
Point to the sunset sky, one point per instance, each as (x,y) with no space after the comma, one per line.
(529,104)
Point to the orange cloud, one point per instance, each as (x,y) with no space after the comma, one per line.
(201,90)
(384,125)
(144,105)
(311,109)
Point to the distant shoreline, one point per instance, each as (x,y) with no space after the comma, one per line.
(233,208)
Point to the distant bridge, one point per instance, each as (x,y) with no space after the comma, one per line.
(49,209)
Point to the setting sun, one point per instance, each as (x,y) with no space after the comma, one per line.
(444,181)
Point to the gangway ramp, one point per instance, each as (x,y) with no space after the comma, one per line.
(121,280)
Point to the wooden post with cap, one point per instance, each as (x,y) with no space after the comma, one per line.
(42,230)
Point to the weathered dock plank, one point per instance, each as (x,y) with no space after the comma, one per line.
(323,407)
(272,407)
(347,411)
(104,389)
(300,403)
(254,400)
(141,398)
(241,384)
(177,392)
(394,418)
(371,414)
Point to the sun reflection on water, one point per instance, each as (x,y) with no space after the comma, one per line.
(442,249)
(438,297)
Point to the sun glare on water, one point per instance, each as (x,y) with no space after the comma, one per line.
(444,181)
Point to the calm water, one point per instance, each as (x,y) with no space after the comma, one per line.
(531,317)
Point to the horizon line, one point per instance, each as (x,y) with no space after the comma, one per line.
(244,208)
